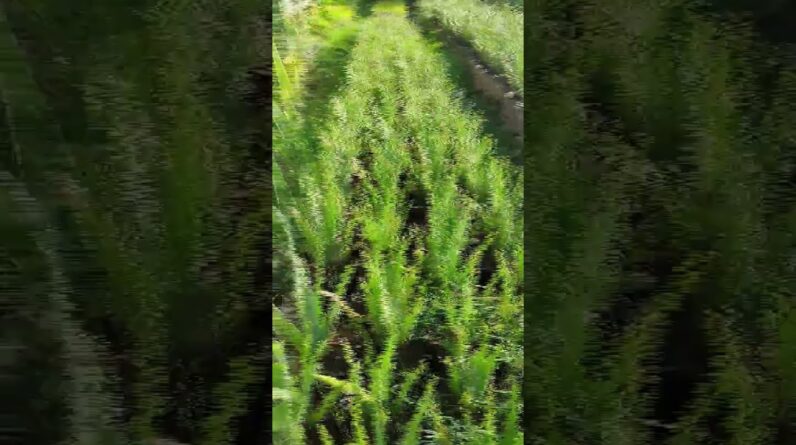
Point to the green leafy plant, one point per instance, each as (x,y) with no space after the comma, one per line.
(495,30)
(394,153)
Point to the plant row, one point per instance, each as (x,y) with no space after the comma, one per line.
(399,231)
(494,30)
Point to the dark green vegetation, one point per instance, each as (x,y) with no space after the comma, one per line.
(136,213)
(660,218)
(398,244)
(134,219)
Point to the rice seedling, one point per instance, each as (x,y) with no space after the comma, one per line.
(385,154)
(495,31)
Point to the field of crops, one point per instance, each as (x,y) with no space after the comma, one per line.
(133,207)
(398,246)
(414,239)
(660,204)
(494,30)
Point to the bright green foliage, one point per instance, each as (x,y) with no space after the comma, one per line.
(412,431)
(286,401)
(495,30)
(396,142)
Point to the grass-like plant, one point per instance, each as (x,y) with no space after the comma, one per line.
(495,30)
(385,153)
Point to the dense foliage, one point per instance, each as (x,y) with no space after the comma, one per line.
(494,30)
(655,273)
(135,208)
(659,227)
(400,232)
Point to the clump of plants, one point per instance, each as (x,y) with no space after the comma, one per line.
(494,29)
(400,322)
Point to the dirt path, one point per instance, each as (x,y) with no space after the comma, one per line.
(503,108)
